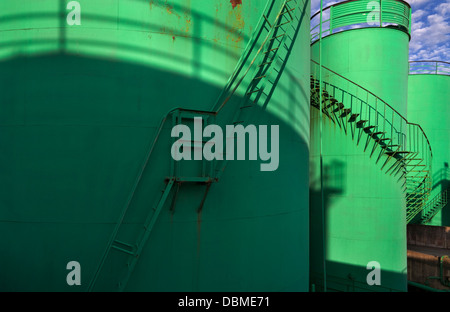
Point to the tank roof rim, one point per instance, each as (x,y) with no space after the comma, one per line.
(347,30)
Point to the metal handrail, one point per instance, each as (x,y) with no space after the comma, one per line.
(375,96)
(389,12)
(434,205)
(429,67)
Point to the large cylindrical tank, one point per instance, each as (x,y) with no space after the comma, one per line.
(360,206)
(428,94)
(84,87)
(375,58)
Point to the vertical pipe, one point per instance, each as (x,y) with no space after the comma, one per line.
(321,156)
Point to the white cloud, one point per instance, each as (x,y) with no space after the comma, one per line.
(443,8)
(417,15)
(431,33)
(417,2)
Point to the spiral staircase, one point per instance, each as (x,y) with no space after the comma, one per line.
(403,145)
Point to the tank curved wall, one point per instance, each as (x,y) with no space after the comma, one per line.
(428,106)
(80,104)
(375,58)
(363,210)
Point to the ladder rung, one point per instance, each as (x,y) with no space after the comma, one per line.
(259,77)
(283,24)
(268,51)
(123,250)
(287,11)
(194,179)
(266,63)
(253,91)
(267,20)
(273,38)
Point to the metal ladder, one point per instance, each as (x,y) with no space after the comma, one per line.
(272,56)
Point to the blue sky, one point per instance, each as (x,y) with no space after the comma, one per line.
(430,38)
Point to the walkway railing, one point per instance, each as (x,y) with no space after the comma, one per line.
(429,67)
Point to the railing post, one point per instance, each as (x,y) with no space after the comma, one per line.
(410,16)
(331,20)
(381,19)
(376,111)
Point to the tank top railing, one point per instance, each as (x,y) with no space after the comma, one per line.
(429,67)
(361,14)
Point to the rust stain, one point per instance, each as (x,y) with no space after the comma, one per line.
(188,24)
(170,11)
(236,20)
(234,3)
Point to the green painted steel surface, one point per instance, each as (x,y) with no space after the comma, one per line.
(428,96)
(375,58)
(79,107)
(360,224)
(364,215)
(364,208)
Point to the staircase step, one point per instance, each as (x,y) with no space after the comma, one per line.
(353,117)
(361,122)
(346,112)
(378,133)
(397,152)
(333,102)
(368,128)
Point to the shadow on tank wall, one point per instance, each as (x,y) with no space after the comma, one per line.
(340,277)
(76,128)
(442,182)
(75,132)
(351,218)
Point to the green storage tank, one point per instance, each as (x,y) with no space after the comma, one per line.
(358,218)
(89,92)
(428,94)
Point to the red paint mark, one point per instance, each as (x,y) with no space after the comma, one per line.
(173,37)
(234,3)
